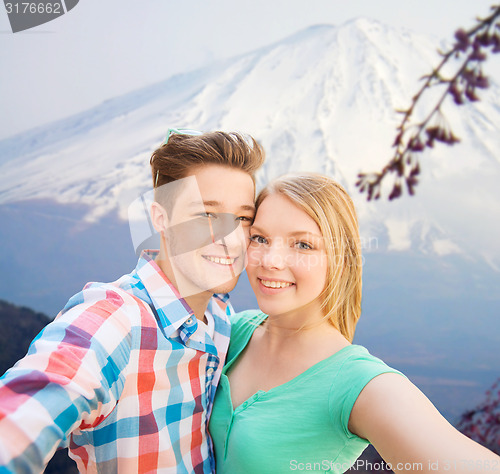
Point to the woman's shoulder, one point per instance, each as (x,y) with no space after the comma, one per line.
(355,371)
(246,320)
(357,360)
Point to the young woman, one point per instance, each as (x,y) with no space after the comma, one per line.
(295,393)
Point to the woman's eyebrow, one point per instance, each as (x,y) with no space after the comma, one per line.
(296,233)
(305,232)
(257,228)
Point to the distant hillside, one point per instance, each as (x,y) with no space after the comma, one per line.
(19,327)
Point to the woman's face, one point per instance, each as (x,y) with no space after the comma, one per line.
(287,263)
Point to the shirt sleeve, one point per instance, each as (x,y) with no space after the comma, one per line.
(352,377)
(71,377)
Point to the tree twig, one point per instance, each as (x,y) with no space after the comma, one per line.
(412,139)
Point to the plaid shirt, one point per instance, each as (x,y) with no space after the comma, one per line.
(126,373)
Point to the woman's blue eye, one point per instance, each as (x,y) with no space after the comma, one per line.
(258,239)
(207,214)
(303,246)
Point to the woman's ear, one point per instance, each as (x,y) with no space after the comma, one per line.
(159,217)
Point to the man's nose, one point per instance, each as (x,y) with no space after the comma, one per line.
(202,231)
(222,225)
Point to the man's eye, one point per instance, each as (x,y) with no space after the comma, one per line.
(207,214)
(245,219)
(303,246)
(258,239)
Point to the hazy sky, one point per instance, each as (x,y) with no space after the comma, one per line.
(104,48)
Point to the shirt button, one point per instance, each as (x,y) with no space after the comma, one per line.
(210,371)
(189,321)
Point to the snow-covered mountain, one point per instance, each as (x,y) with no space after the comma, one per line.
(321,100)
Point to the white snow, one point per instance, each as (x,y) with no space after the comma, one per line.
(399,234)
(445,247)
(321,100)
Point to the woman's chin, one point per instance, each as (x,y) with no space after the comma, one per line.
(272,308)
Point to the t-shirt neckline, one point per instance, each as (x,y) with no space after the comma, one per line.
(284,386)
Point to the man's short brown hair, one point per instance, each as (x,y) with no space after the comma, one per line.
(181,153)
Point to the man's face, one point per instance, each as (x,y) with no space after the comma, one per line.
(208,228)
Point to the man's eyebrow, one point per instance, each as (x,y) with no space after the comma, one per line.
(244,207)
(204,203)
(247,208)
(212,203)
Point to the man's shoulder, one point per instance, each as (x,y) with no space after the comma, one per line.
(107,300)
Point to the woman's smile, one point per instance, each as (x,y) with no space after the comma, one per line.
(286,259)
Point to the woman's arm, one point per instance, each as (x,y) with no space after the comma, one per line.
(410,434)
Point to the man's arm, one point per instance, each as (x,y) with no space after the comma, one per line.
(71,378)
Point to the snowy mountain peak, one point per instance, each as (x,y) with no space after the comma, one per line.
(320,100)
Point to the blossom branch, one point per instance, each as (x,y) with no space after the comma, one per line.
(413,138)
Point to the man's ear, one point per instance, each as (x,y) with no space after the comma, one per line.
(159,217)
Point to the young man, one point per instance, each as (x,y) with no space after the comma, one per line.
(126,374)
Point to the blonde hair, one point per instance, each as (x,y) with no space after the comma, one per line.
(329,205)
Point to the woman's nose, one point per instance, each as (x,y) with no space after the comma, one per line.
(274,257)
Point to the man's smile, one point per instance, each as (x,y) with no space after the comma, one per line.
(220,260)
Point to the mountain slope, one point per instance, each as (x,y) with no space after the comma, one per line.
(322,100)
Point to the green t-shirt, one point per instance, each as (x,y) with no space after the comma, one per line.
(300,425)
